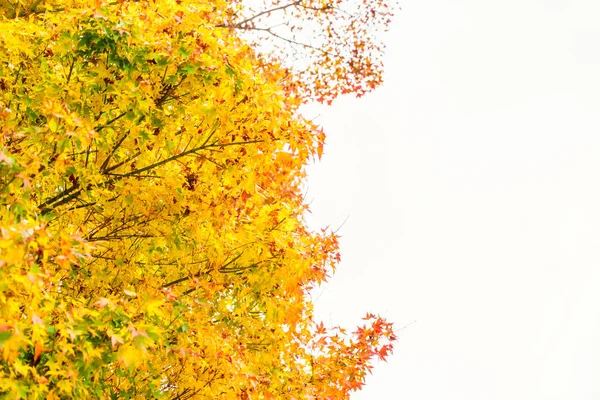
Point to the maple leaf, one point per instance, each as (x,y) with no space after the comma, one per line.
(36,320)
(4,158)
(103,302)
(38,349)
(320,329)
(369,316)
(115,340)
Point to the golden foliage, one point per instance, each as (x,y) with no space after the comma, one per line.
(152,241)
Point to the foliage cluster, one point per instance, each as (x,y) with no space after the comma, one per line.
(152,240)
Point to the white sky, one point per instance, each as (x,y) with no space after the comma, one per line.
(472,182)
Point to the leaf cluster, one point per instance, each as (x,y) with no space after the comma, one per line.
(152,240)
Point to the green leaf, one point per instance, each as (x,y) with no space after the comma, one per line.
(185,53)
(4,336)
(188,69)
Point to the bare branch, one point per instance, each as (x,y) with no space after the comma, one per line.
(241,24)
(288,40)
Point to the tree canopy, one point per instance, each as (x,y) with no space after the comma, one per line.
(152,233)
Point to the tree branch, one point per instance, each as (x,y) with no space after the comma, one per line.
(182,154)
(75,191)
(240,24)
(115,119)
(115,147)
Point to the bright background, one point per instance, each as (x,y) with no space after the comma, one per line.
(472,184)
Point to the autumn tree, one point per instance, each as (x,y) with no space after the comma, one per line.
(152,238)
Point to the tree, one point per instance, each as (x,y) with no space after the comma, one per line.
(152,239)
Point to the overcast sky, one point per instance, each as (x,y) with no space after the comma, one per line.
(472,184)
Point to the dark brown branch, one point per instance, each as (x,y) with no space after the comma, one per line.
(234,270)
(75,191)
(288,40)
(120,237)
(182,154)
(133,157)
(234,259)
(114,149)
(260,14)
(176,281)
(291,41)
(70,70)
(64,200)
(115,119)
(224,266)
